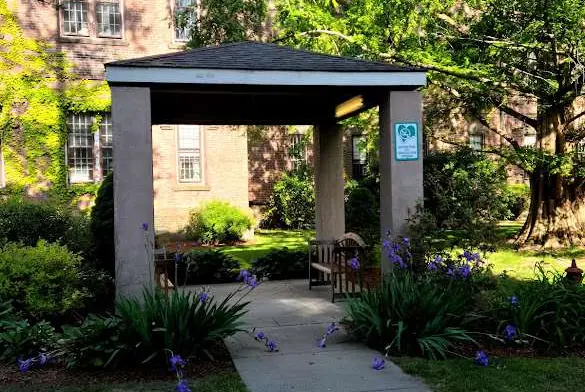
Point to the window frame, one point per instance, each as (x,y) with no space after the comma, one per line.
(358,166)
(481,138)
(64,22)
(89,121)
(175,8)
(106,169)
(97,23)
(95,146)
(294,139)
(180,150)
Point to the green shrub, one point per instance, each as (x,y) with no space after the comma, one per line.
(98,342)
(19,338)
(517,198)
(42,279)
(292,204)
(28,222)
(282,264)
(210,266)
(179,322)
(362,214)
(217,222)
(411,316)
(102,225)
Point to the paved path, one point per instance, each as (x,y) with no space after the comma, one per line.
(295,318)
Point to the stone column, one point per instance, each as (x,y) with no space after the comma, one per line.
(133,189)
(401,167)
(329,203)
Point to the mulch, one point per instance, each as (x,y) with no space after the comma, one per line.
(58,375)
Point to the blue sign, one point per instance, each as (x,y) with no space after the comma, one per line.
(406,141)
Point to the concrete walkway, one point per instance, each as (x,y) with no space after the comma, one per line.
(296,318)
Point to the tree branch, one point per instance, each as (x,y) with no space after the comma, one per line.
(518,116)
(574,118)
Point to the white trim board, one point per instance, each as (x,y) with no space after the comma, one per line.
(117,74)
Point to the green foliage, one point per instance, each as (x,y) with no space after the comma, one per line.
(102,225)
(282,264)
(292,204)
(28,222)
(210,266)
(42,279)
(464,199)
(549,313)
(408,315)
(97,342)
(217,222)
(517,199)
(362,214)
(225,21)
(18,338)
(179,322)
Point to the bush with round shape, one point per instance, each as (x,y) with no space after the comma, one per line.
(217,222)
(42,280)
(292,204)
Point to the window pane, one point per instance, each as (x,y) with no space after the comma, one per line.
(106,143)
(80,147)
(189,154)
(184,19)
(529,140)
(75,17)
(109,18)
(358,147)
(476,142)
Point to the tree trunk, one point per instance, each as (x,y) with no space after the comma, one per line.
(556,217)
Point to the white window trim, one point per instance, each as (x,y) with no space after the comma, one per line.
(97,32)
(61,14)
(201,156)
(197,5)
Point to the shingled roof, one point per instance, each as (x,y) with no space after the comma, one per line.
(259,56)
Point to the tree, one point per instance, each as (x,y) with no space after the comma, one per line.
(224,21)
(486,56)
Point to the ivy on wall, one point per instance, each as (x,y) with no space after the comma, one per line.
(37,91)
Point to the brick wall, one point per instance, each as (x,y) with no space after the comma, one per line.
(147,30)
(225,166)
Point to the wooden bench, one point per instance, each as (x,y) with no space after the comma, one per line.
(161,270)
(329,264)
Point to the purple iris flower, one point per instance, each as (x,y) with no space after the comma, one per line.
(145,226)
(465,271)
(354,263)
(176,360)
(203,297)
(243,275)
(322,342)
(178,257)
(406,241)
(252,282)
(514,301)
(332,328)
(271,345)
(260,336)
(450,271)
(481,358)
(25,365)
(378,363)
(182,386)
(510,332)
(386,245)
(43,359)
(432,266)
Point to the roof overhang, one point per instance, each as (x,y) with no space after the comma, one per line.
(201,76)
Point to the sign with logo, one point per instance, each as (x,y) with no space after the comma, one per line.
(406,141)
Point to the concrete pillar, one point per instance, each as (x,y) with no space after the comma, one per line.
(401,165)
(329,203)
(133,189)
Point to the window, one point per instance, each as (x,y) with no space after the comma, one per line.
(109,18)
(476,141)
(297,150)
(358,156)
(80,148)
(89,156)
(580,149)
(106,144)
(189,154)
(75,17)
(529,140)
(184,19)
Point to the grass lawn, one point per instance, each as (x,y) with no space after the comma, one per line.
(506,375)
(267,240)
(228,382)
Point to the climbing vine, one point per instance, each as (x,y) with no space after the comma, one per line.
(37,92)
